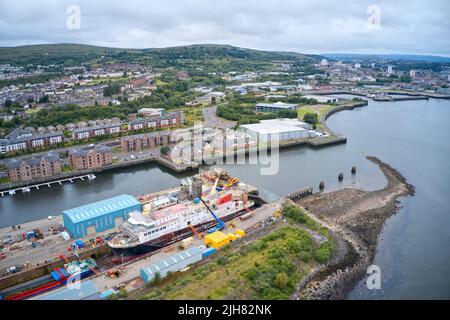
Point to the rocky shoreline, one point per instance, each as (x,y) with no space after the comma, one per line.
(355,219)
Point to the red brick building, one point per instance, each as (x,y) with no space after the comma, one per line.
(145,141)
(36,167)
(90,158)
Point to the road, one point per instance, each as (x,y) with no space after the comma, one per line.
(212,121)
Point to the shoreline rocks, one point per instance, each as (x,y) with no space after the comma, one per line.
(355,219)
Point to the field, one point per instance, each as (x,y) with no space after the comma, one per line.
(319,109)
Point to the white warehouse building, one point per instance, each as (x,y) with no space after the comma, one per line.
(279,130)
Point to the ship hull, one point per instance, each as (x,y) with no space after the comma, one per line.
(169,238)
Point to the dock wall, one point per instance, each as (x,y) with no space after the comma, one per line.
(44,269)
(159,160)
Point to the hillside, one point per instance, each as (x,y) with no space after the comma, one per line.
(222,56)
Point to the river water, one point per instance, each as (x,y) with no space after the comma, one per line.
(412,136)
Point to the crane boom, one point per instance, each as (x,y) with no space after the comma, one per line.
(220,224)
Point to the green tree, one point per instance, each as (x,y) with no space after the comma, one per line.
(111,90)
(310,118)
(164,150)
(157,277)
(44,99)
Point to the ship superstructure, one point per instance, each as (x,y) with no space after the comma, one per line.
(171,217)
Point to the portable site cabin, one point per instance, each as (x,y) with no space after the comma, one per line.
(99,216)
(217,240)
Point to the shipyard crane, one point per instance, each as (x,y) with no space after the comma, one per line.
(220,224)
(198,234)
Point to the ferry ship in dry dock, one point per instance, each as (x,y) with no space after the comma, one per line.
(172,217)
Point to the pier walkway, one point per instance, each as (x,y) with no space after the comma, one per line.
(28,188)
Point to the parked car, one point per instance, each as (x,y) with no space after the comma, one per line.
(13,269)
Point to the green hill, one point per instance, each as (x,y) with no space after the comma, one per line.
(189,57)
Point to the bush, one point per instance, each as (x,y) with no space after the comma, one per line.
(281,280)
(295,214)
(122,292)
(311,118)
(157,278)
(165,150)
(323,252)
(222,260)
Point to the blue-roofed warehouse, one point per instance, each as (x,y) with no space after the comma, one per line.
(173,263)
(99,216)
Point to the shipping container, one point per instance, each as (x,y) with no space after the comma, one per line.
(208,251)
(186,242)
(232,236)
(246,216)
(217,240)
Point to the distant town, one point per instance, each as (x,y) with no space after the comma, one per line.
(59,119)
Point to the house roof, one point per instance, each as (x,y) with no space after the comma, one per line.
(14,163)
(99,127)
(35,137)
(155,118)
(85,151)
(147,135)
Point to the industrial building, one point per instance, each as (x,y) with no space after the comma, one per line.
(99,216)
(278,130)
(275,107)
(85,290)
(322,99)
(173,263)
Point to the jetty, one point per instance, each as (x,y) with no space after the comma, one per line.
(29,188)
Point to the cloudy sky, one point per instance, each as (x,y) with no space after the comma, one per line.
(324,26)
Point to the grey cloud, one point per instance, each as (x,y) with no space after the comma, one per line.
(421,27)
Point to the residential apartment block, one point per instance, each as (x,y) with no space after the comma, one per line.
(166,120)
(90,158)
(32,168)
(95,131)
(145,141)
(29,141)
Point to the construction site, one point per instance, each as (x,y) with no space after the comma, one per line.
(97,243)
